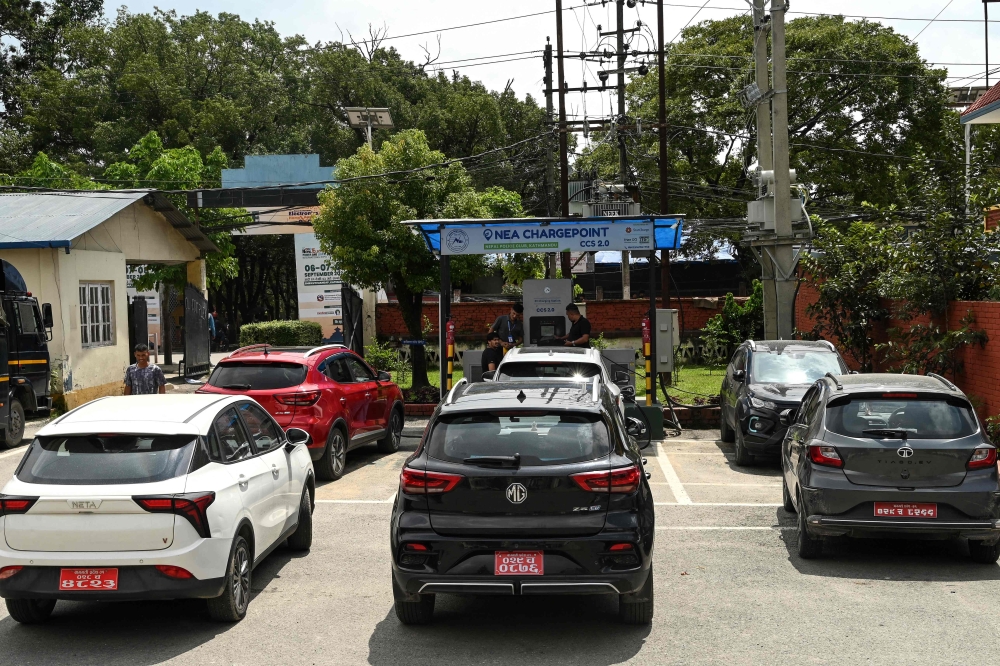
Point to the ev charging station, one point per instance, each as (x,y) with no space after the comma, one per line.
(635,233)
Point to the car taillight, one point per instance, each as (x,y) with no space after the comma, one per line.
(7,572)
(302,399)
(192,506)
(174,572)
(419,482)
(621,480)
(10,504)
(620,546)
(825,455)
(983,457)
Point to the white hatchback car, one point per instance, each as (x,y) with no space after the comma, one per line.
(152,497)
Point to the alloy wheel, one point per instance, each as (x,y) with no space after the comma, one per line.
(241,577)
(396,429)
(339,454)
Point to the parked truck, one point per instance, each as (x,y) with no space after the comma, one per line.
(25,370)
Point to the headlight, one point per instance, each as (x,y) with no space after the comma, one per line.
(762,404)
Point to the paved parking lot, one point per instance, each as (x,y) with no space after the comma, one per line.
(729,588)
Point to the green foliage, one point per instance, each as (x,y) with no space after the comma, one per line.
(282,333)
(383,357)
(992,425)
(923,348)
(736,323)
(599,342)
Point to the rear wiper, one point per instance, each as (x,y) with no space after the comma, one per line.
(513,461)
(237,387)
(886,432)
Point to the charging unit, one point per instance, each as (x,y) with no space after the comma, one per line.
(668,338)
(545,304)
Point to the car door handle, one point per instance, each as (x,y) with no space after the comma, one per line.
(343,401)
(243,482)
(368,395)
(275,471)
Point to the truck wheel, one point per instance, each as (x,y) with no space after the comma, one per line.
(15,426)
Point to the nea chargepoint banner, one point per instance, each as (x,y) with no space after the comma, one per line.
(553,238)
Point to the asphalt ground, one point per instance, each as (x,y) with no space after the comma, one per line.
(729,588)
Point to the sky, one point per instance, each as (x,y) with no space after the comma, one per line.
(944,41)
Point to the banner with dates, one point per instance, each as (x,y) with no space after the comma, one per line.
(319,288)
(553,238)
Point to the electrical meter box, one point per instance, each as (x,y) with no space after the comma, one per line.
(545,304)
(668,338)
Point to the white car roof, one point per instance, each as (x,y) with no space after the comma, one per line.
(568,355)
(187,414)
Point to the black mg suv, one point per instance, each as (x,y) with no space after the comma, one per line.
(763,378)
(524,488)
(890,455)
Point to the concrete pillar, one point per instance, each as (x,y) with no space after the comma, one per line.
(196,275)
(368,299)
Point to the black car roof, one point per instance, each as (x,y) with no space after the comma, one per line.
(779,346)
(559,395)
(866,383)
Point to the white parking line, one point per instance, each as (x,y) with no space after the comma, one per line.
(328,501)
(742,485)
(676,487)
(713,504)
(708,528)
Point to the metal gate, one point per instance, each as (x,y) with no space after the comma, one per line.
(138,325)
(354,319)
(197,338)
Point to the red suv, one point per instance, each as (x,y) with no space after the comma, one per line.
(330,392)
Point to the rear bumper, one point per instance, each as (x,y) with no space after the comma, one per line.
(134,583)
(988,530)
(420,583)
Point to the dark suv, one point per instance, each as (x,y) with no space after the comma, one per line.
(884,455)
(524,488)
(763,378)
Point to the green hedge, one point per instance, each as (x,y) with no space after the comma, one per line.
(282,333)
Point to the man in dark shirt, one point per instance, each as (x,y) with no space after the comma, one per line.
(493,353)
(579,331)
(510,327)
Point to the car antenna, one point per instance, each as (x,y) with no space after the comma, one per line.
(836,381)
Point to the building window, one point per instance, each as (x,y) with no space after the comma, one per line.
(96,319)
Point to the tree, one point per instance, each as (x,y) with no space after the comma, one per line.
(359,223)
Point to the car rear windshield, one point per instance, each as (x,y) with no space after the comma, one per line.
(79,460)
(793,367)
(919,418)
(541,438)
(543,370)
(257,376)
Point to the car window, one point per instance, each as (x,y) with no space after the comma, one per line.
(233,439)
(739,359)
(257,376)
(547,370)
(793,367)
(336,369)
(360,371)
(263,432)
(107,459)
(919,417)
(810,408)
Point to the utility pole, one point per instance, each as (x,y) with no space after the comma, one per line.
(784,261)
(550,189)
(563,144)
(765,160)
(622,156)
(661,117)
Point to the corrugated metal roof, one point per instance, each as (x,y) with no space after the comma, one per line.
(983,105)
(54,219)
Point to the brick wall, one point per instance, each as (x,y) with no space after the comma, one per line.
(613,318)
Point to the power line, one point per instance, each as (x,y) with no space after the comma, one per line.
(933,19)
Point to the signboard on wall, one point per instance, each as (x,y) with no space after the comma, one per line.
(269,221)
(319,288)
(132,273)
(554,238)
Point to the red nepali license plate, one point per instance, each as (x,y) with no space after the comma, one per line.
(519,563)
(899,510)
(82,580)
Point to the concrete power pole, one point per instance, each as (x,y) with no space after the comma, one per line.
(622,156)
(563,138)
(550,185)
(764,148)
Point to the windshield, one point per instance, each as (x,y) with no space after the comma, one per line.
(548,370)
(257,376)
(540,438)
(793,367)
(106,459)
(920,419)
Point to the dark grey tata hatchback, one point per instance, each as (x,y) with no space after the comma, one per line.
(524,488)
(890,455)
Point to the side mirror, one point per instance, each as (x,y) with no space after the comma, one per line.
(621,377)
(628,392)
(786,417)
(739,375)
(295,437)
(489,375)
(635,427)
(47,315)
(384,376)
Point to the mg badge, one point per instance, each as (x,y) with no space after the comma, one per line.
(904,452)
(516,493)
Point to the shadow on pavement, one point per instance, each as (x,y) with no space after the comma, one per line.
(368,454)
(887,559)
(577,630)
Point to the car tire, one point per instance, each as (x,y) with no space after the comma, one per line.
(786,497)
(30,611)
(419,611)
(725,432)
(743,457)
(302,537)
(637,607)
(15,426)
(984,553)
(810,547)
(231,605)
(334,461)
(390,443)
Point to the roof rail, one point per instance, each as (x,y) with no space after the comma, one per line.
(829,344)
(943,381)
(249,348)
(316,350)
(597,388)
(451,394)
(836,381)
(753,345)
